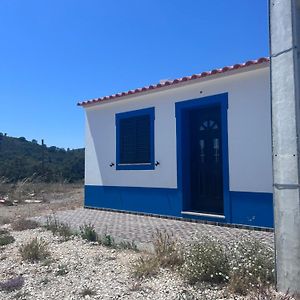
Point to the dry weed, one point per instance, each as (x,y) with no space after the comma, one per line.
(24,224)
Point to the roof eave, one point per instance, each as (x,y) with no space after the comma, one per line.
(204,76)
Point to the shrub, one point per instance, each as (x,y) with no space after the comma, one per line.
(65,231)
(62,270)
(206,261)
(167,250)
(3,231)
(21,295)
(167,254)
(87,292)
(24,224)
(34,250)
(145,267)
(107,240)
(136,286)
(48,261)
(52,224)
(45,281)
(128,246)
(252,266)
(3,257)
(12,284)
(87,232)
(6,239)
(268,294)
(187,295)
(59,228)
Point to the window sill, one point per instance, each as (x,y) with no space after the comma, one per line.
(143,166)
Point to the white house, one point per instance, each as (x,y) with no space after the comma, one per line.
(196,147)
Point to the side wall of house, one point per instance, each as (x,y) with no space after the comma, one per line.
(155,191)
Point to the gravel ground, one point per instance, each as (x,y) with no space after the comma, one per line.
(105,271)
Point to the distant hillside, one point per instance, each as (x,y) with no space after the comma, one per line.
(20,159)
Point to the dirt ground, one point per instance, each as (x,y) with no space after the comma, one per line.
(70,198)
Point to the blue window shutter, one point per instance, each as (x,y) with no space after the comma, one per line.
(135,140)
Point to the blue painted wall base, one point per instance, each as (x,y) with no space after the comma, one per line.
(158,201)
(254,209)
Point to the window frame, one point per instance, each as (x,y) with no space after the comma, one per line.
(134,113)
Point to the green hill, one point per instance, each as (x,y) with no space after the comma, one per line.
(20,159)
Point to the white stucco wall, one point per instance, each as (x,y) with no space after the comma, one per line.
(249,134)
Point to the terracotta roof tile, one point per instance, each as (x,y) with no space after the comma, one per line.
(176,81)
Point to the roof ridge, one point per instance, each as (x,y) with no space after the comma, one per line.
(175,81)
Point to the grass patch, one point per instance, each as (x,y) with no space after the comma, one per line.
(45,281)
(52,224)
(167,250)
(87,292)
(187,295)
(3,231)
(107,240)
(35,250)
(264,293)
(22,295)
(65,231)
(167,254)
(5,237)
(48,262)
(126,245)
(24,224)
(145,267)
(58,228)
(61,270)
(87,232)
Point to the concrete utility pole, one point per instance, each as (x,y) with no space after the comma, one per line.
(43,159)
(285,76)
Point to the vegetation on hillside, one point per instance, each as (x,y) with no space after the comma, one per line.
(21,159)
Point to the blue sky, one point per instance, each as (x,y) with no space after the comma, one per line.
(56,52)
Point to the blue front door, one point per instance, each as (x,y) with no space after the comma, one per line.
(206,180)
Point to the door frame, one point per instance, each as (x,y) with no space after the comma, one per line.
(183,154)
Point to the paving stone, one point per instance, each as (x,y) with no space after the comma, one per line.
(141,228)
